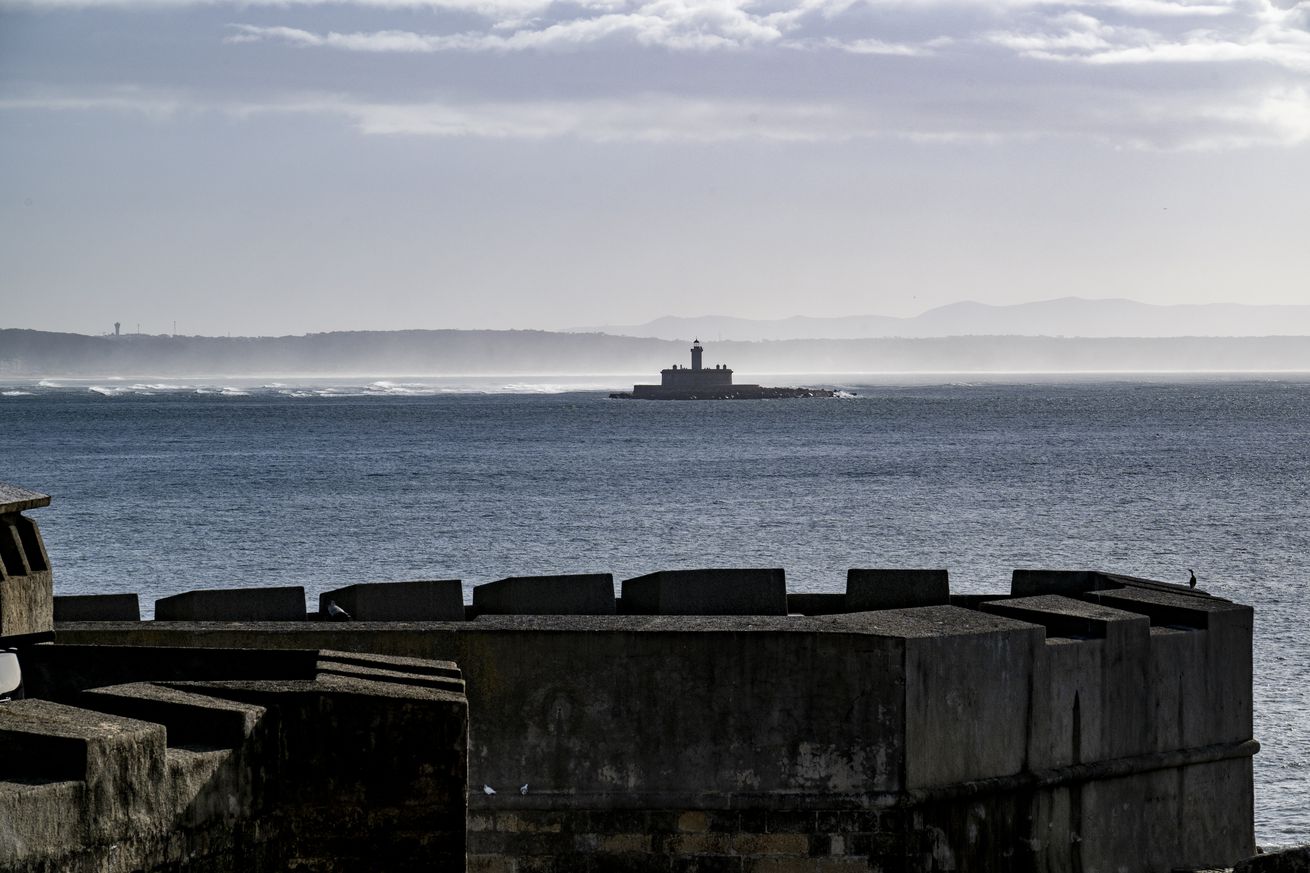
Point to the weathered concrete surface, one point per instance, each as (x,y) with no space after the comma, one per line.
(363,773)
(97,607)
(286,603)
(425,600)
(969,672)
(897,588)
(1200,670)
(14,499)
(1067,617)
(577,594)
(26,584)
(188,719)
(707,592)
(1048,733)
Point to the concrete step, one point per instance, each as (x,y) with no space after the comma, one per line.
(190,719)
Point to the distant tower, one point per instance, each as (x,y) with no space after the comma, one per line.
(695,355)
(117,327)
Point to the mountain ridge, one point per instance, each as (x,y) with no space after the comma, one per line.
(1106,317)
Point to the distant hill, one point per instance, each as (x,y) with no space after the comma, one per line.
(27,352)
(39,354)
(1066,316)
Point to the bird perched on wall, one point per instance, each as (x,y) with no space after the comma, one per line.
(1192,581)
(488,790)
(336,613)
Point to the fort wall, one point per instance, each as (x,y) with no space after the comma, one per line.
(1107,727)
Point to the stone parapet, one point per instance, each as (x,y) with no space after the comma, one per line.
(97,607)
(575,594)
(281,603)
(424,600)
(707,592)
(896,588)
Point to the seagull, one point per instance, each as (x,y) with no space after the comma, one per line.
(523,789)
(1192,581)
(488,790)
(336,613)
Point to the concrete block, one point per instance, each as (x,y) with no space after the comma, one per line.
(15,499)
(1071,583)
(234,604)
(428,600)
(189,719)
(1168,608)
(577,594)
(97,607)
(26,604)
(707,592)
(47,741)
(896,588)
(26,586)
(957,678)
(1067,617)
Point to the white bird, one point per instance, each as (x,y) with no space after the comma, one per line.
(523,789)
(336,613)
(488,790)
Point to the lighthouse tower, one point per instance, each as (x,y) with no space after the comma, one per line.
(696,351)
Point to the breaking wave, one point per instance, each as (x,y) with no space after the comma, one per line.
(213,390)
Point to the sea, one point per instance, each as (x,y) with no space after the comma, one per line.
(165,485)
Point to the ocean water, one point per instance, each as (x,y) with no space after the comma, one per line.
(164,486)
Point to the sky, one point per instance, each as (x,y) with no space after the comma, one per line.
(262,167)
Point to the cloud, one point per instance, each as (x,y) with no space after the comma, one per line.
(929,71)
(869,46)
(518,8)
(1069,30)
(670,24)
(1267,34)
(699,32)
(131,101)
(1272,117)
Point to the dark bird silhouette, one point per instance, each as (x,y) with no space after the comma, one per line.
(1192,581)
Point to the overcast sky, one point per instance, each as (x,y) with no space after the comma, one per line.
(282,167)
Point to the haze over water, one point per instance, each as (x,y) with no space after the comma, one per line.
(165,486)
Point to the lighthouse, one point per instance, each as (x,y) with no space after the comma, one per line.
(698,383)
